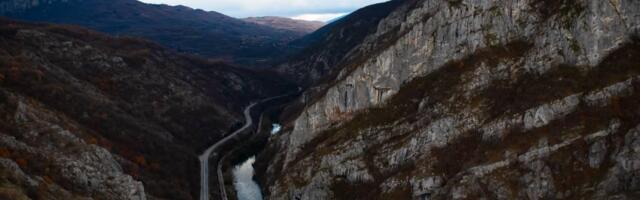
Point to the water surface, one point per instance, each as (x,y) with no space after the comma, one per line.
(275,128)
(246,188)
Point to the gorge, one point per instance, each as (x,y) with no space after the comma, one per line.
(404,99)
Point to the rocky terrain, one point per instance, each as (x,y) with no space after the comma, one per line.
(466,99)
(88,116)
(301,27)
(407,99)
(322,51)
(209,34)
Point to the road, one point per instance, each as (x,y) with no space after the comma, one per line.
(206,155)
(204,158)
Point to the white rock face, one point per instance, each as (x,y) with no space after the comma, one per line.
(95,170)
(89,169)
(450,33)
(435,33)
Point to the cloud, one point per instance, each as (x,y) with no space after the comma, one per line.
(286,8)
(325,17)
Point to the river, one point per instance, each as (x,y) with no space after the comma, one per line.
(246,187)
(275,129)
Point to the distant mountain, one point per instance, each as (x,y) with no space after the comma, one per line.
(299,26)
(209,34)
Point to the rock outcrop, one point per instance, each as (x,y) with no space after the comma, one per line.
(473,99)
(60,164)
(332,45)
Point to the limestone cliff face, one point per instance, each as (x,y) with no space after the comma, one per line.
(333,45)
(475,99)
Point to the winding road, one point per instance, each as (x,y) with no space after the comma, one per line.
(206,155)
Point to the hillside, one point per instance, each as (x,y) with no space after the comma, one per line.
(318,54)
(465,99)
(301,27)
(209,34)
(83,114)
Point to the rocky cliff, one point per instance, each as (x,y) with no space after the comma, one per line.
(332,45)
(87,116)
(473,99)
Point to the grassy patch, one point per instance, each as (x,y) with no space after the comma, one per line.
(343,190)
(12,192)
(573,172)
(402,192)
(448,160)
(568,9)
(455,3)
(506,97)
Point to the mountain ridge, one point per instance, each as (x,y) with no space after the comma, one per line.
(302,27)
(207,33)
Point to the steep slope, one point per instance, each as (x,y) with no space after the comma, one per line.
(86,115)
(301,27)
(209,34)
(332,45)
(472,99)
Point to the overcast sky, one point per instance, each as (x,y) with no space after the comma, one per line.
(322,10)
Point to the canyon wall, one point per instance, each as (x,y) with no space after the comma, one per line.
(475,98)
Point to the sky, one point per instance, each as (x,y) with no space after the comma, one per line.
(320,10)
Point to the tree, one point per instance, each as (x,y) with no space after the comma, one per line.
(22,162)
(140,160)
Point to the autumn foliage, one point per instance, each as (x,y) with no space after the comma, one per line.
(4,152)
(23,163)
(91,140)
(47,179)
(140,160)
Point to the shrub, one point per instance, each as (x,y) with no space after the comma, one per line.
(23,163)
(4,152)
(91,140)
(47,179)
(140,161)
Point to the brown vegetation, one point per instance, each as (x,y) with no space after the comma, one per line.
(548,8)
(509,96)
